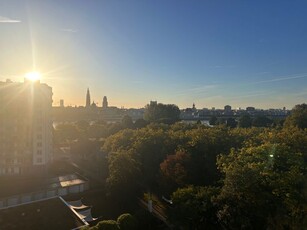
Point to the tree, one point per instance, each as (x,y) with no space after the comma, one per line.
(140,123)
(107,225)
(245,121)
(298,117)
(193,209)
(126,222)
(82,125)
(231,122)
(173,169)
(65,132)
(161,113)
(263,188)
(124,177)
(213,120)
(127,122)
(204,145)
(262,121)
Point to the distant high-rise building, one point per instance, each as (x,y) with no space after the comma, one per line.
(105,102)
(25,127)
(62,103)
(88,98)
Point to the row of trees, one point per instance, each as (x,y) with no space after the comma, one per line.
(154,112)
(246,121)
(252,178)
(218,177)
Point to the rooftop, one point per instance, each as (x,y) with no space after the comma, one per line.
(47,214)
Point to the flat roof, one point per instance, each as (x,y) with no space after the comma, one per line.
(15,186)
(48,214)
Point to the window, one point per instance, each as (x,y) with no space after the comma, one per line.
(39,152)
(39,144)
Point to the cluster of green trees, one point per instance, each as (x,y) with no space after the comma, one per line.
(124,222)
(67,132)
(217,177)
(154,112)
(251,175)
(161,113)
(246,121)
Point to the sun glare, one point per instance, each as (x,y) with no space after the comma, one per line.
(33,76)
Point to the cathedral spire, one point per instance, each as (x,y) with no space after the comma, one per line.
(88,98)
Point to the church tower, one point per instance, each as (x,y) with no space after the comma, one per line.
(105,102)
(88,98)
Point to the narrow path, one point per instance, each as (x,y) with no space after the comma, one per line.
(157,212)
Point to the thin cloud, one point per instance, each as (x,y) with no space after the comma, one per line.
(70,30)
(280,79)
(200,89)
(220,66)
(251,95)
(8,20)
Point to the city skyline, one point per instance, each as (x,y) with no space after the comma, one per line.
(176,52)
(104,103)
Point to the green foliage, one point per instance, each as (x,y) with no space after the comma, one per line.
(161,113)
(174,170)
(82,125)
(120,141)
(127,222)
(140,123)
(261,174)
(84,147)
(262,121)
(124,176)
(107,225)
(231,122)
(298,117)
(124,222)
(193,209)
(245,121)
(263,187)
(213,120)
(203,145)
(64,132)
(127,122)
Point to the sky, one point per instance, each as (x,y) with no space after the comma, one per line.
(211,53)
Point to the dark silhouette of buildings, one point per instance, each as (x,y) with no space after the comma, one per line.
(92,112)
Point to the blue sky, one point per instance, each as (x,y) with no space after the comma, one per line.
(212,53)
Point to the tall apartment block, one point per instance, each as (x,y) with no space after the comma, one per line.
(25,127)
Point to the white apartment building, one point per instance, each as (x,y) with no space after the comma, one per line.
(25,127)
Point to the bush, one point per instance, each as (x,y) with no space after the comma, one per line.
(126,222)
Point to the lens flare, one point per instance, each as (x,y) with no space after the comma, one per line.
(33,76)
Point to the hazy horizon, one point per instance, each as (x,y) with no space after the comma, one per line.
(212,53)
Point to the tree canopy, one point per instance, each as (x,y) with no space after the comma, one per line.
(298,117)
(158,112)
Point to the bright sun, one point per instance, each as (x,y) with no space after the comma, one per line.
(33,76)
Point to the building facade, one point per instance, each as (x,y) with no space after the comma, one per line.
(25,127)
